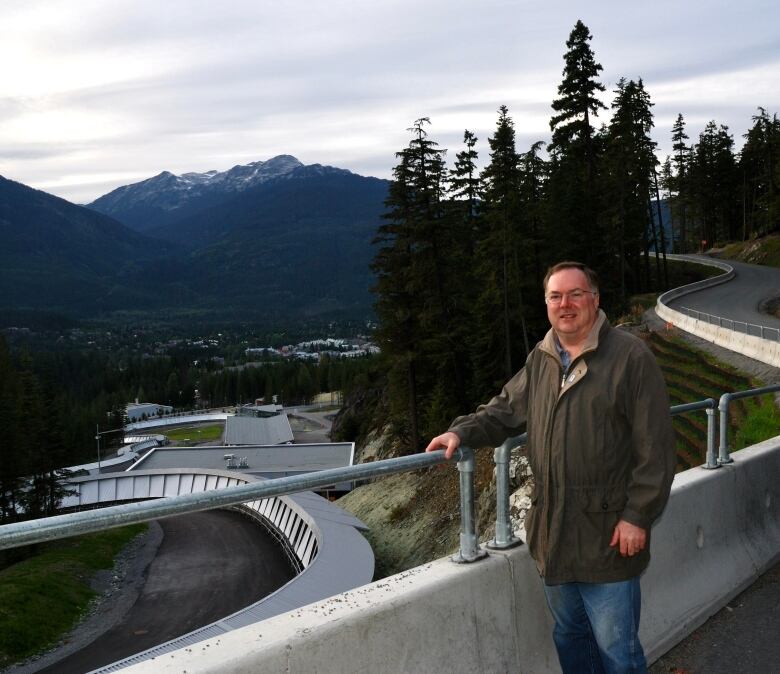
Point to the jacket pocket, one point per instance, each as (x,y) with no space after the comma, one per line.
(591,523)
(602,500)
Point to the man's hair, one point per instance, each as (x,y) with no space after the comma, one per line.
(593,279)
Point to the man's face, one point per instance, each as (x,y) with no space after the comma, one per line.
(571,319)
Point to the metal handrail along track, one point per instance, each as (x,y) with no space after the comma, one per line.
(61,526)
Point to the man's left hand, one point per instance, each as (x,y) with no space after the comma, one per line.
(630,538)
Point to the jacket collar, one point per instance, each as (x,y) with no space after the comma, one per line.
(591,341)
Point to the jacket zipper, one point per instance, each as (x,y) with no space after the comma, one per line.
(548,452)
(547,513)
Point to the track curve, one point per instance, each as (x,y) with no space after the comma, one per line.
(209,565)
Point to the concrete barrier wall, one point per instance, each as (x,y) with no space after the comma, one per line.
(179,420)
(296,528)
(720,531)
(125,455)
(764,350)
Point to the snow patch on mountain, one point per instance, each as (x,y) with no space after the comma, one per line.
(168,192)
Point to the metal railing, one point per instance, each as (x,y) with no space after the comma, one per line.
(723,409)
(505,537)
(709,405)
(71,524)
(61,526)
(761,331)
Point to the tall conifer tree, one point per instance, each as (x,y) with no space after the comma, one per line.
(679,180)
(417,303)
(629,171)
(575,150)
(499,308)
(713,180)
(759,168)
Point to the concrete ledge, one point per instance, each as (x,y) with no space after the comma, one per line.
(719,532)
(436,617)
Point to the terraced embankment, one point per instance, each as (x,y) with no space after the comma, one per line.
(692,375)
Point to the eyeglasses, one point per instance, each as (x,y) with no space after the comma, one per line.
(574,295)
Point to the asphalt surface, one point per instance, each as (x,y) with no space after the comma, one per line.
(209,565)
(314,426)
(742,637)
(738,299)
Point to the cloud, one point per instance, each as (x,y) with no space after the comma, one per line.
(132,87)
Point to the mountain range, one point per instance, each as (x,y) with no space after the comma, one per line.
(149,205)
(273,240)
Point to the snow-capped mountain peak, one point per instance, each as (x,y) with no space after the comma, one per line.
(169,192)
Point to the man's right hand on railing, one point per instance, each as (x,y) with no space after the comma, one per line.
(448,441)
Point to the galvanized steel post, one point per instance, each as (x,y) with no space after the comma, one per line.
(469,544)
(505,536)
(709,405)
(723,410)
(712,461)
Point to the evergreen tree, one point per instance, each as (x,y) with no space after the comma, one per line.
(759,171)
(465,184)
(533,193)
(11,470)
(678,181)
(713,185)
(418,311)
(575,150)
(630,165)
(501,253)
(33,456)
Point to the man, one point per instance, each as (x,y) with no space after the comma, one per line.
(601,447)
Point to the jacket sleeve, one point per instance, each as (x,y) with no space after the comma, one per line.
(653,442)
(501,418)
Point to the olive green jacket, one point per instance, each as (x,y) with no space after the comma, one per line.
(600,444)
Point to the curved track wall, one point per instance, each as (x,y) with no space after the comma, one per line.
(321,539)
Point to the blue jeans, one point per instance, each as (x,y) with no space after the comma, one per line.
(596,627)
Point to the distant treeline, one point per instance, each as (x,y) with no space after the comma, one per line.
(53,403)
(292,382)
(462,253)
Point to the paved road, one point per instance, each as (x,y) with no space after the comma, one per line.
(318,425)
(742,637)
(209,565)
(739,298)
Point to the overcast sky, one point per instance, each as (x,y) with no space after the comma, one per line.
(100,93)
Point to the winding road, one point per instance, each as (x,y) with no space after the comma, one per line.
(739,298)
